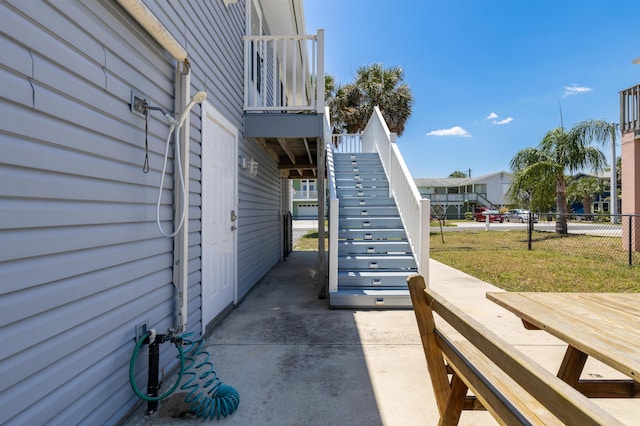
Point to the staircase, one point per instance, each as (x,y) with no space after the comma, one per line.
(374,255)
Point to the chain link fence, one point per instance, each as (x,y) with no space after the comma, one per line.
(304,234)
(591,236)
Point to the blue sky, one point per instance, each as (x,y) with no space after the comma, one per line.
(488,77)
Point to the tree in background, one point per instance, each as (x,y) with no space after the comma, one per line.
(543,168)
(583,190)
(330,90)
(374,86)
(458,174)
(537,195)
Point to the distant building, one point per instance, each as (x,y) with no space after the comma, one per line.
(304,198)
(459,195)
(601,203)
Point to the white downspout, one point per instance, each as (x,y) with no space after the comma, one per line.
(181,240)
(141,14)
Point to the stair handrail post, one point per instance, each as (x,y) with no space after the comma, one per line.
(334,208)
(320,72)
(392,141)
(425,239)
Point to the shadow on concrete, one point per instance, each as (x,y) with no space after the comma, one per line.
(292,359)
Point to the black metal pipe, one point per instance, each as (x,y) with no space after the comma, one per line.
(530,230)
(630,241)
(152,382)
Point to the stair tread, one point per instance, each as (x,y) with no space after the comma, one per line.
(375,242)
(374,291)
(385,217)
(383,230)
(366,256)
(376,273)
(381,241)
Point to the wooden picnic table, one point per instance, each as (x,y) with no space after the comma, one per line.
(605,326)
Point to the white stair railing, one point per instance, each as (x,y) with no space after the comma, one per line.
(348,143)
(414,210)
(334,212)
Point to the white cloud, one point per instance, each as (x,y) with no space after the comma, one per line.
(454,131)
(574,89)
(505,121)
(491,116)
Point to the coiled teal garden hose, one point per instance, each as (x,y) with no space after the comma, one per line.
(207,396)
(212,398)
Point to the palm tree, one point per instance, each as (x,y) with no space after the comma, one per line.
(583,190)
(374,86)
(330,93)
(458,174)
(560,151)
(535,193)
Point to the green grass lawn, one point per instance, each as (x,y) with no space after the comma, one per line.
(309,242)
(573,263)
(578,263)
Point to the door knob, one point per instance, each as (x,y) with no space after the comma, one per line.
(233,216)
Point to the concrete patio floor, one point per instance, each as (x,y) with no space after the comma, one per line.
(294,361)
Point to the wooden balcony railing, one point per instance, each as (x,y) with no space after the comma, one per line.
(630,109)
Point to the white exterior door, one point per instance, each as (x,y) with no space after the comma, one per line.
(219,209)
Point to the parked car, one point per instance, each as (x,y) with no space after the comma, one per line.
(519,215)
(481,214)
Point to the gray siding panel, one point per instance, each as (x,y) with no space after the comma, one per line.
(214,36)
(259,220)
(81,260)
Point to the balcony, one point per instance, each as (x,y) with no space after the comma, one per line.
(455,198)
(630,110)
(282,73)
(284,103)
(305,195)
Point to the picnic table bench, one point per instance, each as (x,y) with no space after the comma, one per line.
(504,381)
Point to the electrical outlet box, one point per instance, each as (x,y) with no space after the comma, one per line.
(138,103)
(140,330)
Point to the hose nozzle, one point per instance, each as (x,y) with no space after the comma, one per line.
(198,98)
